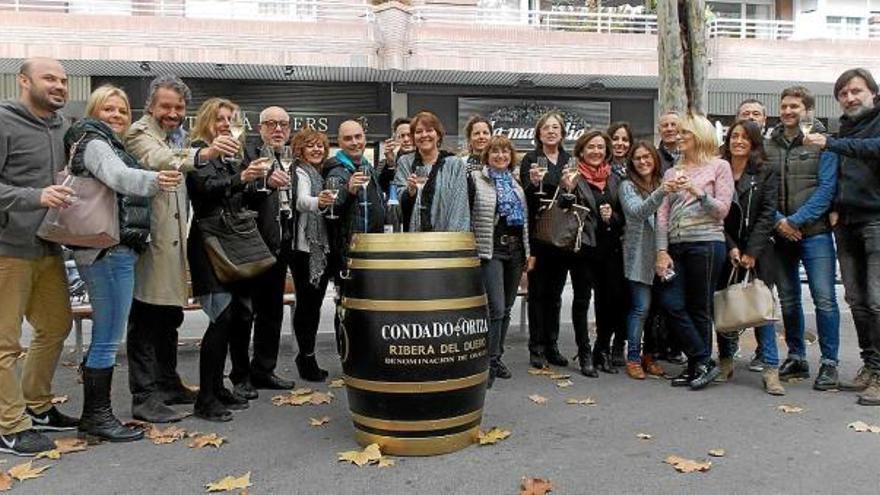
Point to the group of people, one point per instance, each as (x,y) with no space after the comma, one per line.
(659,230)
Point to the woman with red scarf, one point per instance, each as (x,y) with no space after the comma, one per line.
(595,188)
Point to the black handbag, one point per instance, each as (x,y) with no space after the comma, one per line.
(234,246)
(561,227)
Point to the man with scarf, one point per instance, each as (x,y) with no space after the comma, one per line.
(857,207)
(360,205)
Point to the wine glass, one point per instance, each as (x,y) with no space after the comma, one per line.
(333,184)
(268,154)
(806,123)
(365,171)
(421,174)
(286,160)
(179,154)
(542,166)
(71,200)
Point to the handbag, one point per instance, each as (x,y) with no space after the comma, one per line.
(561,227)
(90,221)
(234,246)
(745,304)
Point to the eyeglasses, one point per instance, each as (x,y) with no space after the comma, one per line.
(271,124)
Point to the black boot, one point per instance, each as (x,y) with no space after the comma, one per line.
(555,357)
(98,422)
(602,361)
(585,361)
(308,368)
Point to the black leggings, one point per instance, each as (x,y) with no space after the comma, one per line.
(307,315)
(233,321)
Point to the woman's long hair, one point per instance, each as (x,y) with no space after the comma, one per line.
(543,120)
(633,175)
(203,129)
(757,156)
(705,141)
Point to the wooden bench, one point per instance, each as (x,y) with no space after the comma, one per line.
(83,311)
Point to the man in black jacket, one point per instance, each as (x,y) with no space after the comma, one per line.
(276,228)
(857,206)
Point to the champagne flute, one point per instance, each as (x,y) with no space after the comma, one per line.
(54,213)
(180,154)
(286,160)
(333,184)
(806,123)
(365,171)
(268,154)
(421,174)
(542,166)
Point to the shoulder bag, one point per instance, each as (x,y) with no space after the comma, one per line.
(561,227)
(745,304)
(234,246)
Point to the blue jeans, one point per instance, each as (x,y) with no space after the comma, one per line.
(640,307)
(110,282)
(766,337)
(859,250)
(817,254)
(688,297)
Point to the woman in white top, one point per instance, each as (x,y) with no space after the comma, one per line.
(311,251)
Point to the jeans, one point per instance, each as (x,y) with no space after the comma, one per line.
(640,306)
(859,250)
(688,297)
(817,254)
(35,289)
(501,277)
(110,282)
(766,337)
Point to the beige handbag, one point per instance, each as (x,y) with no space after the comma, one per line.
(91,221)
(745,304)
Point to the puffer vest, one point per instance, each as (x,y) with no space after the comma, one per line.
(483,214)
(134,211)
(798,167)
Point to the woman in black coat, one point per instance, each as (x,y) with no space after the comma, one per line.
(748,230)
(214,187)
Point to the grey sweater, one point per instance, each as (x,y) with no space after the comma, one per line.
(31,152)
(639,251)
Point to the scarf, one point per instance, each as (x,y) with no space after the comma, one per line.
(596,176)
(347,162)
(315,230)
(508,203)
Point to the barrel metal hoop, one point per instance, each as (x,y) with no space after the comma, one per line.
(417,305)
(413,264)
(423,425)
(412,242)
(416,387)
(419,446)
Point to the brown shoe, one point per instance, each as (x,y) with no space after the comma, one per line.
(726,365)
(871,395)
(634,370)
(652,367)
(772,385)
(859,383)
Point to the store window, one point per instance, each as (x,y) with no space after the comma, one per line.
(845,27)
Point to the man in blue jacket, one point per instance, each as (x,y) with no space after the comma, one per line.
(808,180)
(858,208)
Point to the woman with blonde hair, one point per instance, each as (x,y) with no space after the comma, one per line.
(96,151)
(691,244)
(216,187)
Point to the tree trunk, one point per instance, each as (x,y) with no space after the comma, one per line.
(681,47)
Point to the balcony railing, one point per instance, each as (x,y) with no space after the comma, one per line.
(622,23)
(268,10)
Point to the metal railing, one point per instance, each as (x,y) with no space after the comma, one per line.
(750,28)
(269,10)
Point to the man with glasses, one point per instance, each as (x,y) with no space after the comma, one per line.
(275,226)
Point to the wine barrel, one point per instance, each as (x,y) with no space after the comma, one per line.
(414,341)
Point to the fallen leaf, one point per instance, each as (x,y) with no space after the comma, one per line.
(50,454)
(683,465)
(537,399)
(370,455)
(718,452)
(790,409)
(26,471)
(319,398)
(492,436)
(230,483)
(70,364)
(193,434)
(59,399)
(67,445)
(541,372)
(535,486)
(291,400)
(386,462)
(202,441)
(560,376)
(644,436)
(564,384)
(5,482)
(337,383)
(161,436)
(301,391)
(862,427)
(136,423)
(319,421)
(589,401)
